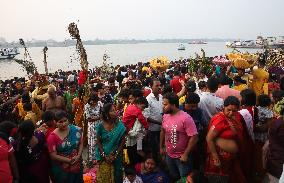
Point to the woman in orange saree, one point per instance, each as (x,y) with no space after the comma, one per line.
(224,139)
(78,110)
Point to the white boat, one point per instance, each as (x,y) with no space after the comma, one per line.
(8,53)
(181,47)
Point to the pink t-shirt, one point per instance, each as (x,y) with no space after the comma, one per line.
(178,130)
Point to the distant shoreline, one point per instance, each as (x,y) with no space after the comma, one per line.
(70,42)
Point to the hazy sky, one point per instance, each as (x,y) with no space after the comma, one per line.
(141,19)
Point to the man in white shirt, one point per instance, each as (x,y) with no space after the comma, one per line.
(209,102)
(154,116)
(71,78)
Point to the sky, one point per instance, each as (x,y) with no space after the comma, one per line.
(141,19)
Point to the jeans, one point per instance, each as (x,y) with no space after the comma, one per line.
(177,168)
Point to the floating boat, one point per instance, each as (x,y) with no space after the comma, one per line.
(181,47)
(8,53)
(197,42)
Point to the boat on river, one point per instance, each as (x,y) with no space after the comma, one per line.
(181,47)
(8,53)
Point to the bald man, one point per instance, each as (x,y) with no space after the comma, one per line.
(53,102)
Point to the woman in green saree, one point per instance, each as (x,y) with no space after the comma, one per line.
(68,96)
(65,146)
(110,139)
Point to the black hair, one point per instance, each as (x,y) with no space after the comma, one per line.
(183,70)
(5,130)
(25,133)
(225,80)
(142,100)
(48,116)
(248,97)
(231,100)
(167,89)
(192,98)
(176,73)
(212,84)
(136,93)
(152,80)
(172,98)
(60,114)
(99,86)
(191,86)
(28,106)
(264,100)
(94,98)
(129,170)
(150,156)
(202,84)
(105,111)
(124,93)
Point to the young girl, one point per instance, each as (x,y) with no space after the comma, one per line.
(92,112)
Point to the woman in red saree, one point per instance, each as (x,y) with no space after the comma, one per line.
(224,139)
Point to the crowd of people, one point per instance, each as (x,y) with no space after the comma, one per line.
(144,125)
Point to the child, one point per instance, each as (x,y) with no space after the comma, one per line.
(202,87)
(92,113)
(30,114)
(265,115)
(130,176)
(134,122)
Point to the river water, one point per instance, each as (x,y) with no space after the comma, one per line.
(65,58)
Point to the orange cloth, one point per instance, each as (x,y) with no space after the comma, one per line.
(35,109)
(259,82)
(79,112)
